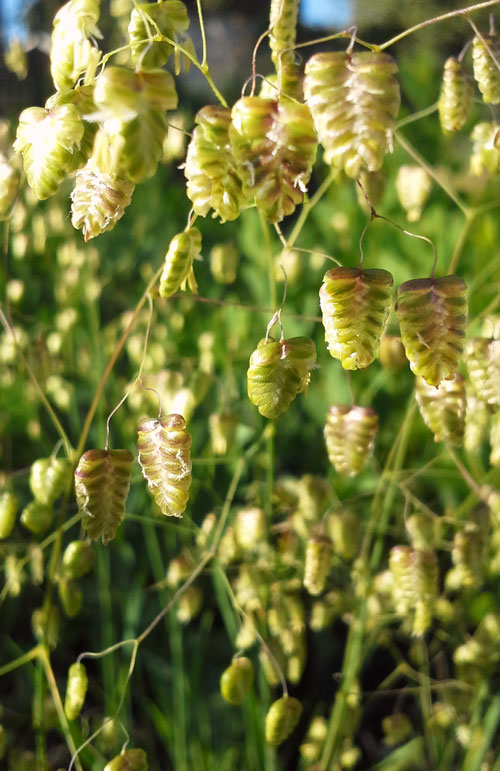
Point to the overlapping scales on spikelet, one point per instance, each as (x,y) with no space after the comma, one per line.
(183,249)
(455,99)
(169,18)
(72,48)
(485,60)
(350,437)
(282,31)
(482,356)
(443,408)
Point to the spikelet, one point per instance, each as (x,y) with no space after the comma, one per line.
(350,437)
(37,517)
(274,146)
(413,185)
(9,185)
(250,528)
(392,353)
(70,597)
(279,371)
(282,31)
(423,530)
(102,482)
(484,156)
(455,99)
(281,719)
(133,106)
(164,447)
(477,418)
(402,579)
(169,18)
(469,555)
(425,588)
(47,141)
(482,356)
(76,690)
(189,605)
(344,528)
(210,169)
(101,194)
(318,561)
(77,560)
(128,760)
(9,507)
(486,70)
(355,305)
(443,408)
(432,314)
(237,680)
(48,478)
(224,263)
(183,249)
(72,52)
(82,98)
(495,440)
(354,101)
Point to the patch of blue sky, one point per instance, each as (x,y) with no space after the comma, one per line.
(12,16)
(336,14)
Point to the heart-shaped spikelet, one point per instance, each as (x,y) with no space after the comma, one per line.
(432,314)
(279,371)
(169,18)
(102,483)
(350,436)
(486,70)
(164,447)
(443,408)
(355,305)
(455,99)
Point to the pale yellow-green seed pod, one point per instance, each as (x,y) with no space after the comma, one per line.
(477,418)
(210,168)
(400,565)
(237,680)
(102,483)
(48,478)
(281,719)
(443,408)
(495,440)
(282,31)
(354,100)
(310,750)
(164,447)
(47,141)
(344,528)
(413,187)
(392,353)
(9,185)
(72,49)
(470,553)
(167,17)
(268,663)
(128,760)
(485,65)
(350,437)
(179,569)
(9,507)
(250,528)
(424,530)
(325,610)
(183,249)
(37,517)
(318,563)
(77,560)
(482,356)
(189,605)
(484,154)
(432,314)
(277,372)
(274,145)
(70,597)
(222,427)
(224,260)
(14,575)
(82,97)
(425,589)
(355,305)
(455,99)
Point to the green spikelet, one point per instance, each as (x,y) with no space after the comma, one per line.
(318,561)
(274,146)
(413,186)
(279,371)
(164,447)
(469,555)
(432,314)
(9,185)
(128,760)
(48,478)
(183,249)
(102,482)
(133,106)
(169,18)
(425,589)
(210,168)
(9,507)
(392,353)
(250,528)
(400,565)
(344,528)
(477,418)
(355,305)
(101,194)
(283,27)
(495,440)
(455,99)
(354,101)
(423,530)
(486,71)
(48,141)
(37,517)
(443,408)
(82,98)
(70,597)
(224,263)
(72,52)
(78,559)
(484,156)
(482,356)
(350,436)
(237,680)
(281,719)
